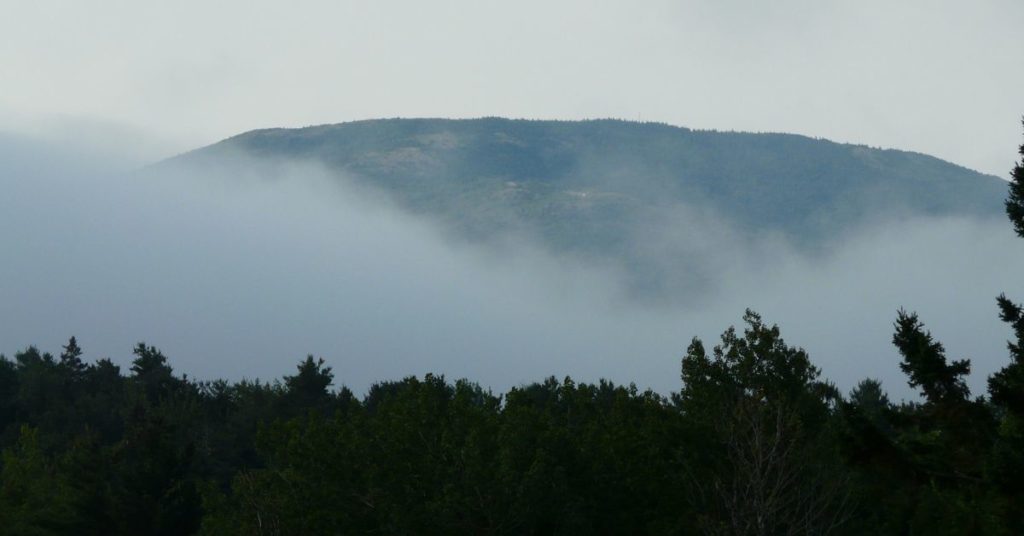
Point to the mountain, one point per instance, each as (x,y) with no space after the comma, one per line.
(598,187)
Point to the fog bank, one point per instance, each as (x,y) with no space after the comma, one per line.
(241,271)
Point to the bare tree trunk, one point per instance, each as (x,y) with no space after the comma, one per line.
(769,486)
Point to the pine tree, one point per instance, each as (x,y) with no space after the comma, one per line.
(308,388)
(924,362)
(1007,386)
(1015,201)
(71,358)
(151,371)
(870,400)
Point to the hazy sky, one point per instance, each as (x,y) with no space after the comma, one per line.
(943,78)
(235,279)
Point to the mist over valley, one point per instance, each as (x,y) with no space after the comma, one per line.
(504,251)
(678,267)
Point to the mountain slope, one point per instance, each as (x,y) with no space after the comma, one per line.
(598,187)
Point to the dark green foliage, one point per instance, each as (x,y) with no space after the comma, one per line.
(871,401)
(34,493)
(924,362)
(151,371)
(71,360)
(767,462)
(754,443)
(1006,387)
(1015,201)
(308,388)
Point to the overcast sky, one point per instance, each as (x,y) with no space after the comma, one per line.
(117,84)
(943,78)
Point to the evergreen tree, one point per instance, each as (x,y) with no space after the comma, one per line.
(308,388)
(1015,201)
(1007,386)
(924,362)
(71,358)
(872,403)
(35,498)
(9,379)
(151,371)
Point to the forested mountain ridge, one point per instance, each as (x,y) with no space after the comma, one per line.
(754,441)
(586,185)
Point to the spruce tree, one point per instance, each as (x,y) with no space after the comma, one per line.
(71,358)
(151,371)
(1015,201)
(924,362)
(1007,386)
(308,389)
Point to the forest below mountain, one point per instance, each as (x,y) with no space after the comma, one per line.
(755,441)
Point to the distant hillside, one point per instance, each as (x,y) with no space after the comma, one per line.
(592,186)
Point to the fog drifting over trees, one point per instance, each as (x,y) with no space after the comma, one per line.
(238,272)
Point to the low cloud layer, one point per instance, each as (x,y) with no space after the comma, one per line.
(240,273)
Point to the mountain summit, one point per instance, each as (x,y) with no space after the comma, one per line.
(600,187)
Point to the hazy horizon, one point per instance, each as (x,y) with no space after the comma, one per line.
(932,78)
(241,272)
(96,91)
(492,326)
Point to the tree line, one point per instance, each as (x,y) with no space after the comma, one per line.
(755,442)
